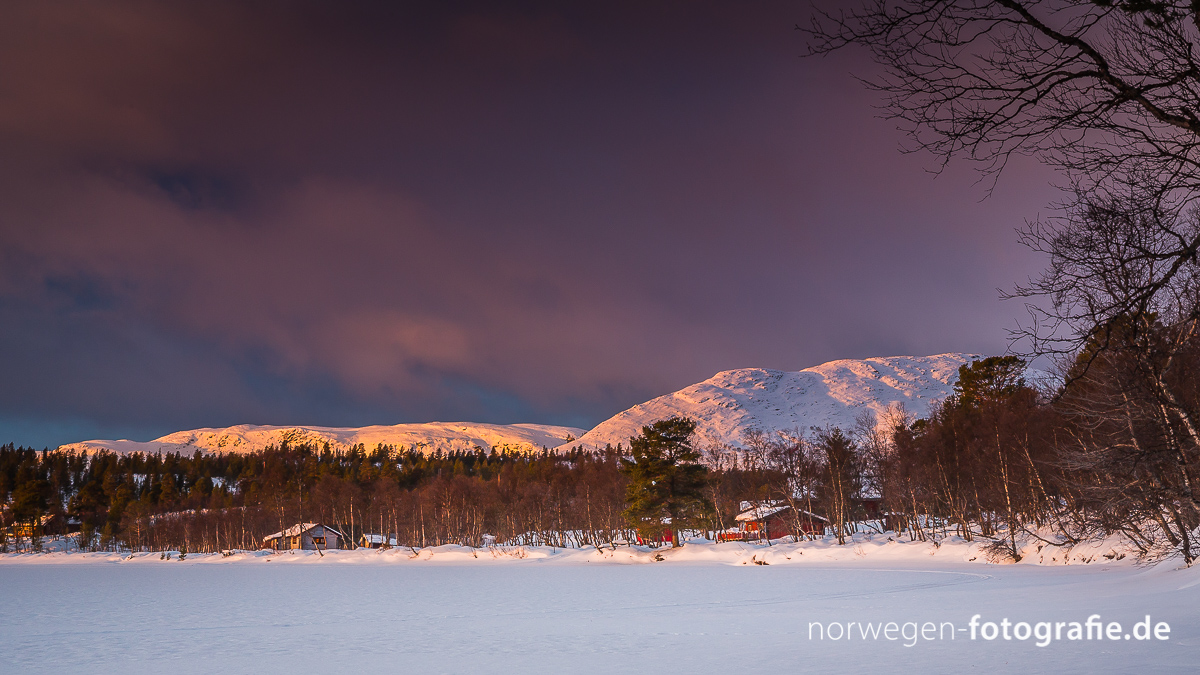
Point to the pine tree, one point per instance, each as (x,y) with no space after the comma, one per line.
(666,480)
(996,378)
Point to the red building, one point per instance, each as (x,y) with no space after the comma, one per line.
(648,540)
(772,521)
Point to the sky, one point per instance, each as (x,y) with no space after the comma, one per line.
(356,213)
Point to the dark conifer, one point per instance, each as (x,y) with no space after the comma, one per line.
(666,486)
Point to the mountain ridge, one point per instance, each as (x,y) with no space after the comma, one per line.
(834,393)
(446,436)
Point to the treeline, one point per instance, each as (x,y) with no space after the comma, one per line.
(212,502)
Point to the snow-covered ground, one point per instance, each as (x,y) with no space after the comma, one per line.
(703,608)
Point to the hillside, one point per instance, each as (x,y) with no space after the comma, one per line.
(831,394)
(426,437)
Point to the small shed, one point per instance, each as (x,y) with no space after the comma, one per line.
(368,540)
(305,536)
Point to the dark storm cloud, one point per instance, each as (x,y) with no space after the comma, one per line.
(365,213)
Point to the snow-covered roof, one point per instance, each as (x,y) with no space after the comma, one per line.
(378,539)
(764,511)
(768,510)
(812,515)
(298,529)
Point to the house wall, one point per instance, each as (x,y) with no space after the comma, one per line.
(780,525)
(810,526)
(332,541)
(869,506)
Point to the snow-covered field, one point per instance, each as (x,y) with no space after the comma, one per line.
(702,609)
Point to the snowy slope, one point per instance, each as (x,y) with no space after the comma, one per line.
(832,394)
(426,437)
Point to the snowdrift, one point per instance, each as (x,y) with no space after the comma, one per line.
(861,548)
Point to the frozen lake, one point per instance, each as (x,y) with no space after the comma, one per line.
(552,617)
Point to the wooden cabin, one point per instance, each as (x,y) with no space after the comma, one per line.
(306,537)
(28,529)
(772,521)
(369,540)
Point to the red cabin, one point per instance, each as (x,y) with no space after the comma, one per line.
(772,521)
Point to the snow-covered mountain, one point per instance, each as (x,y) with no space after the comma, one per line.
(831,394)
(724,407)
(446,436)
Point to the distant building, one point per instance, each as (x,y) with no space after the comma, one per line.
(772,520)
(305,536)
(376,540)
(869,505)
(28,529)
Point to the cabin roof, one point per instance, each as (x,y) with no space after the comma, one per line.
(768,510)
(300,528)
(760,512)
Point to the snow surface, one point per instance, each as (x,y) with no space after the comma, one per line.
(446,436)
(831,394)
(703,608)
